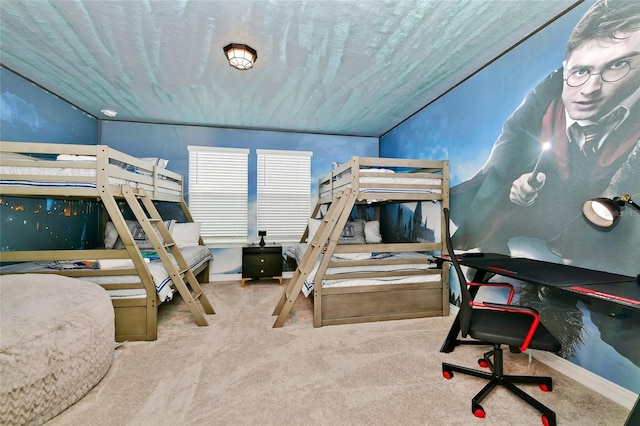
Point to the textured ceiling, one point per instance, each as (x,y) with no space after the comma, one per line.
(333,67)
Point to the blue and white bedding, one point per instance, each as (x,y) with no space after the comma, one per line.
(384,178)
(297,252)
(54,176)
(194,255)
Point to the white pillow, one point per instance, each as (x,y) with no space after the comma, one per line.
(186,234)
(160,162)
(314,224)
(372,232)
(110,235)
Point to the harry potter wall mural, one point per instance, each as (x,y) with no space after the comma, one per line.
(549,125)
(586,113)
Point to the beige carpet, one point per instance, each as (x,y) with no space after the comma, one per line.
(241,371)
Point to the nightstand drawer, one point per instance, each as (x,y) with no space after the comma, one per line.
(261,271)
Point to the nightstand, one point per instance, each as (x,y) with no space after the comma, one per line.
(261,262)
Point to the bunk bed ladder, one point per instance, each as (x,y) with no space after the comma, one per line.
(161,239)
(311,255)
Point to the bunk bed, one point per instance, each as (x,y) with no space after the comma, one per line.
(136,285)
(354,279)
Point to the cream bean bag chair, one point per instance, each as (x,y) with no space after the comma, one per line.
(56,343)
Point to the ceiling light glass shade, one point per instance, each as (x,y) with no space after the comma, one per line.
(240,56)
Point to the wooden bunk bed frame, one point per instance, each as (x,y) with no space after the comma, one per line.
(343,188)
(103,177)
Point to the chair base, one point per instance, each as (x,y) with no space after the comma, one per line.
(497,378)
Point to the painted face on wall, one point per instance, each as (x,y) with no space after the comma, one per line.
(603,73)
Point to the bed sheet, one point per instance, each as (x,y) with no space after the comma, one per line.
(386,177)
(67,172)
(309,283)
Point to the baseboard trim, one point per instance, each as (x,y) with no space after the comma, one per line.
(606,388)
(225,277)
(238,276)
(599,384)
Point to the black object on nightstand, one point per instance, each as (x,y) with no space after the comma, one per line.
(261,262)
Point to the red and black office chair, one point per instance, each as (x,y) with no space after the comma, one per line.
(498,324)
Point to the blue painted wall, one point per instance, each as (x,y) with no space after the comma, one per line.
(171,141)
(29,113)
(462,126)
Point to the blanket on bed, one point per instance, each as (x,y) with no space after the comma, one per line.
(297,252)
(195,256)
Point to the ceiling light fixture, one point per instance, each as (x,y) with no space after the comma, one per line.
(108,112)
(240,56)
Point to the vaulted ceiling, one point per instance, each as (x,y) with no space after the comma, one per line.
(350,67)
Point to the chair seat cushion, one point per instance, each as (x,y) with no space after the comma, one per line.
(510,328)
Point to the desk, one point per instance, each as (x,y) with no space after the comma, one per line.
(620,289)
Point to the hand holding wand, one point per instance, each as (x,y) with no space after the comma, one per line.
(533,181)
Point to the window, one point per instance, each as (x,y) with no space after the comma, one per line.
(218,187)
(284,193)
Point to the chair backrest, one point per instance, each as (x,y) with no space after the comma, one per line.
(465,307)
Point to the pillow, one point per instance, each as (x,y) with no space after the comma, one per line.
(378,170)
(156,161)
(139,237)
(314,224)
(353,233)
(73,157)
(372,232)
(186,234)
(110,235)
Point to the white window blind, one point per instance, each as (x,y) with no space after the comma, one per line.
(284,193)
(218,186)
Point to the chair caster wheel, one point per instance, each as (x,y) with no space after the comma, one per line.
(447,375)
(483,363)
(546,421)
(478,411)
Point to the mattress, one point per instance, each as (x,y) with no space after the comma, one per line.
(309,283)
(195,256)
(53,177)
(412,185)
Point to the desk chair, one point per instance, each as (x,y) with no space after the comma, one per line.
(498,324)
